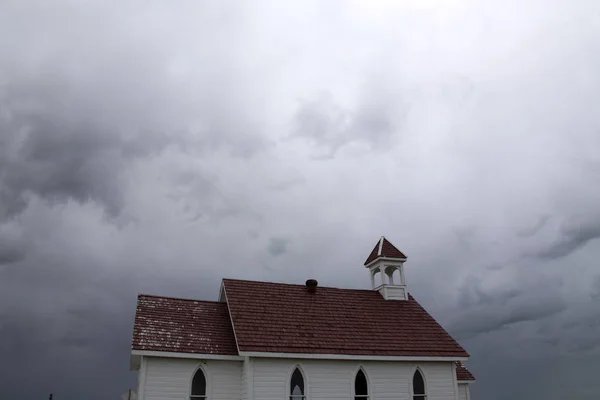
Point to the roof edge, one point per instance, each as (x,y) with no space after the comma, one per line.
(410,296)
(237,343)
(292,284)
(324,356)
(170,354)
(385,258)
(176,298)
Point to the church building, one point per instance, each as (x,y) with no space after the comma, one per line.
(278,341)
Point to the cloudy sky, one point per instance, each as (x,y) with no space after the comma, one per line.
(158,146)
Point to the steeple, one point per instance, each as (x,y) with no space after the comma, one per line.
(386,267)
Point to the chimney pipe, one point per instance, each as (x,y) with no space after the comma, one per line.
(311,285)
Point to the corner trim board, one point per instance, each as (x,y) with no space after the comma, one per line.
(454,381)
(142,381)
(249,365)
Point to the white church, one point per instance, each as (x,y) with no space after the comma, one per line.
(277,341)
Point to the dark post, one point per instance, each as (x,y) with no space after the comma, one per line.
(50,398)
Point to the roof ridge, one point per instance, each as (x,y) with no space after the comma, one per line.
(294,284)
(178,298)
(381,239)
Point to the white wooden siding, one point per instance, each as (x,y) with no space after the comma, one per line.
(463,389)
(170,378)
(334,380)
(393,292)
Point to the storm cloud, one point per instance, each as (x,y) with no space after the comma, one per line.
(158,147)
(277,246)
(574,234)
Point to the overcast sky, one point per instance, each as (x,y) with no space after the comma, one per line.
(158,146)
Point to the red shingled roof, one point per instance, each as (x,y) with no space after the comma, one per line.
(462,373)
(181,325)
(384,248)
(334,321)
(284,318)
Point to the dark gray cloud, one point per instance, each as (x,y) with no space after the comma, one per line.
(48,154)
(596,288)
(60,146)
(574,234)
(95,346)
(328,125)
(530,231)
(481,321)
(528,380)
(277,246)
(13,246)
(10,254)
(73,123)
(485,311)
(472,294)
(287,183)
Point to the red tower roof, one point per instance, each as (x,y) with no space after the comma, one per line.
(384,248)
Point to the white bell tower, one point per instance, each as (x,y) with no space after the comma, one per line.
(386,267)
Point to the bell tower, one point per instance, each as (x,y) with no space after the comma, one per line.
(386,267)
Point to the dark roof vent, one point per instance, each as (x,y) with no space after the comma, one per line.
(311,285)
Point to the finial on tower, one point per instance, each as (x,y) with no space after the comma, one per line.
(385,259)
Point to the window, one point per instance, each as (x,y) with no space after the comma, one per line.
(361,388)
(418,386)
(297,386)
(198,386)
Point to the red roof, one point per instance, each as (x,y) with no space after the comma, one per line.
(284,318)
(462,373)
(384,248)
(276,317)
(181,325)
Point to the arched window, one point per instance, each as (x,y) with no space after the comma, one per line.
(418,386)
(361,387)
(297,385)
(198,386)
